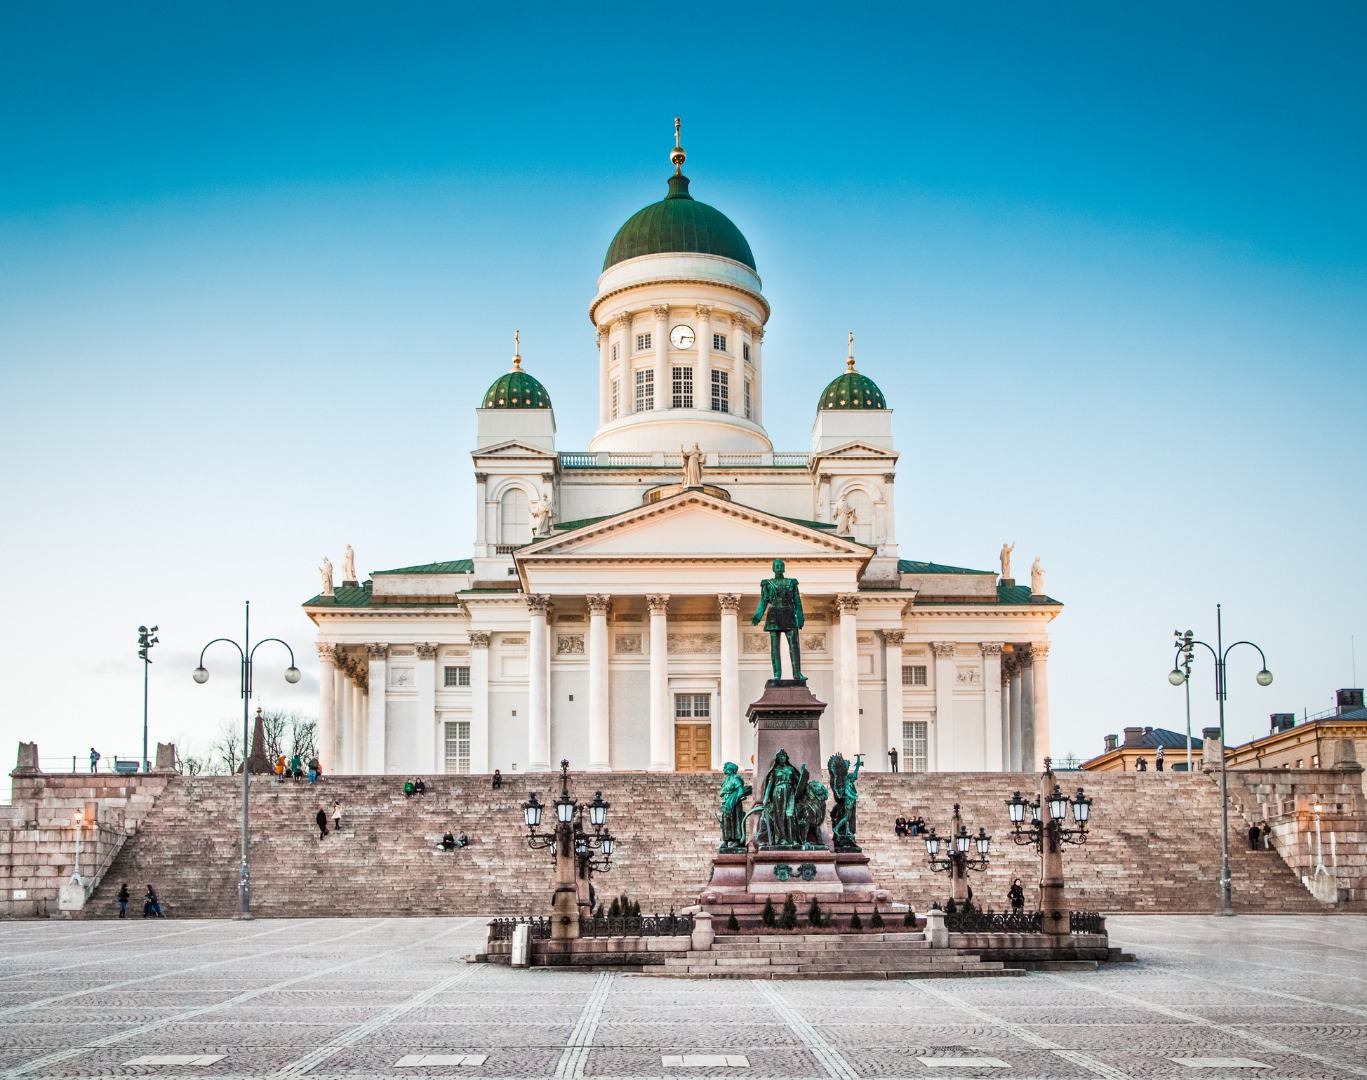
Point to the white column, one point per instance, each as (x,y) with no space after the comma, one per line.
(479,697)
(662,380)
(729,703)
(1005,735)
(600,754)
(944,705)
(604,374)
(661,728)
(345,741)
(375,733)
(892,680)
(1039,702)
(538,690)
(702,385)
(847,695)
(627,404)
(327,706)
(756,391)
(362,716)
(425,743)
(1030,759)
(992,705)
(1013,667)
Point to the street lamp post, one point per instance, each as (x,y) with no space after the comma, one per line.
(146,639)
(1177,676)
(1047,834)
(77,819)
(1184,643)
(574,849)
(956,861)
(201,675)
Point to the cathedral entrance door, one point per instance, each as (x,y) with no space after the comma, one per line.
(692,747)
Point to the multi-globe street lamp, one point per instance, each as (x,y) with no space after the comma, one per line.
(1178,676)
(957,860)
(1047,831)
(574,848)
(147,637)
(201,675)
(1184,661)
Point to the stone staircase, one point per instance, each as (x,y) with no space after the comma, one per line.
(828,956)
(1154,846)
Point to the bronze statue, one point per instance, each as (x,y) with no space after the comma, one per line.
(734,792)
(843,822)
(811,813)
(784,789)
(780,600)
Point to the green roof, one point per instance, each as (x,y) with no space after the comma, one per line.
(852,391)
(1019,594)
(517,390)
(452,566)
(911,566)
(569,526)
(679,223)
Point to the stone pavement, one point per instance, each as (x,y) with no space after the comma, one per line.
(1265,996)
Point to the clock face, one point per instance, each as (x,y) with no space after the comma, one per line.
(682,337)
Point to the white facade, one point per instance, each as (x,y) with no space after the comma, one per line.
(616,630)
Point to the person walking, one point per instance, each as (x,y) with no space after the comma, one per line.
(336,816)
(322,818)
(1158,759)
(297,767)
(1255,836)
(892,756)
(1016,894)
(123,900)
(280,769)
(315,769)
(1267,836)
(94,759)
(151,906)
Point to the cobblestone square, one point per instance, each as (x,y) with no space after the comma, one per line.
(1265,997)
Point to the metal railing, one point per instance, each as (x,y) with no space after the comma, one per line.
(1086,922)
(604,926)
(80,763)
(976,921)
(502,929)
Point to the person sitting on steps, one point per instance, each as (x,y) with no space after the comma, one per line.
(408,789)
(498,780)
(419,788)
(448,842)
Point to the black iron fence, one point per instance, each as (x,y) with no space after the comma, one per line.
(603,926)
(502,929)
(976,921)
(1086,922)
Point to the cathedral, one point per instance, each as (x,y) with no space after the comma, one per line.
(605,611)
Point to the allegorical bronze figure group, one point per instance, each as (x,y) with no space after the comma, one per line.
(791,807)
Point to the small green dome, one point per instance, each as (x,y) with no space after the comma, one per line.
(517,390)
(852,391)
(679,223)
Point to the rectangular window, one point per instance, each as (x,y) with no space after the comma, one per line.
(456,676)
(458,747)
(913,746)
(616,397)
(747,399)
(913,675)
(642,342)
(745,351)
(616,349)
(692,706)
(683,388)
(718,342)
(645,390)
(721,391)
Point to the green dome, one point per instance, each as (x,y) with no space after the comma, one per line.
(517,390)
(679,223)
(852,391)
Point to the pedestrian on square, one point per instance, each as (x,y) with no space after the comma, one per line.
(892,756)
(297,767)
(1255,835)
(123,900)
(336,816)
(1158,759)
(1016,894)
(151,906)
(322,818)
(1267,836)
(94,759)
(280,769)
(315,769)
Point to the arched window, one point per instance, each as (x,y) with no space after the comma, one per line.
(863,514)
(514,518)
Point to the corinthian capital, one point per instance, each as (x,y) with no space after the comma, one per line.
(704,311)
(658,603)
(729,603)
(479,639)
(894,637)
(1039,650)
(661,311)
(624,320)
(848,603)
(427,650)
(599,603)
(538,605)
(942,648)
(991,648)
(327,652)
(377,651)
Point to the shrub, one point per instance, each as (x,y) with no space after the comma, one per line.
(856,923)
(636,909)
(767,917)
(788,920)
(814,913)
(909,919)
(732,923)
(951,907)
(877,921)
(616,908)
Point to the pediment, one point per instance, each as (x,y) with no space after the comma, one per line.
(857,449)
(695,526)
(512,448)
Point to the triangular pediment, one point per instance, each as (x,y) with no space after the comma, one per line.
(691,526)
(512,448)
(857,449)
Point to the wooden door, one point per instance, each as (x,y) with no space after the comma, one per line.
(692,747)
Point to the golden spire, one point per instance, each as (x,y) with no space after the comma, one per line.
(677,156)
(849,360)
(517,350)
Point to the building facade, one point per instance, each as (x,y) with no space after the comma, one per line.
(604,611)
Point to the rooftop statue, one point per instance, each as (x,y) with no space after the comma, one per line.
(1006,558)
(734,792)
(1036,578)
(780,605)
(692,466)
(326,571)
(349,565)
(843,780)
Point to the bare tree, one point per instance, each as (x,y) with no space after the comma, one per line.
(290,732)
(225,753)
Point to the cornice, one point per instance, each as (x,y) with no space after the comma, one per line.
(729,286)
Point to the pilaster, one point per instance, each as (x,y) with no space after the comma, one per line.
(944,705)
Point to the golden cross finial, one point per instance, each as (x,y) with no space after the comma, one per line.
(849,360)
(517,350)
(677,156)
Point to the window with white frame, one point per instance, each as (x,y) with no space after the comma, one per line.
(456,675)
(643,342)
(458,747)
(616,350)
(616,398)
(747,399)
(683,388)
(745,351)
(913,746)
(913,675)
(718,342)
(645,390)
(721,391)
(692,706)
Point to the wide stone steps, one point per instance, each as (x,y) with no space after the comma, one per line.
(904,956)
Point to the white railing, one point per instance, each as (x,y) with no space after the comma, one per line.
(662,460)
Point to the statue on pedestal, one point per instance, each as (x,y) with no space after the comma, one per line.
(734,792)
(843,822)
(349,565)
(1036,578)
(845,518)
(541,515)
(326,571)
(692,466)
(780,605)
(1006,558)
(784,787)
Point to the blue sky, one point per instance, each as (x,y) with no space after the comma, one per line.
(256,266)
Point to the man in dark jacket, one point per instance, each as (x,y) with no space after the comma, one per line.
(322,818)
(123,900)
